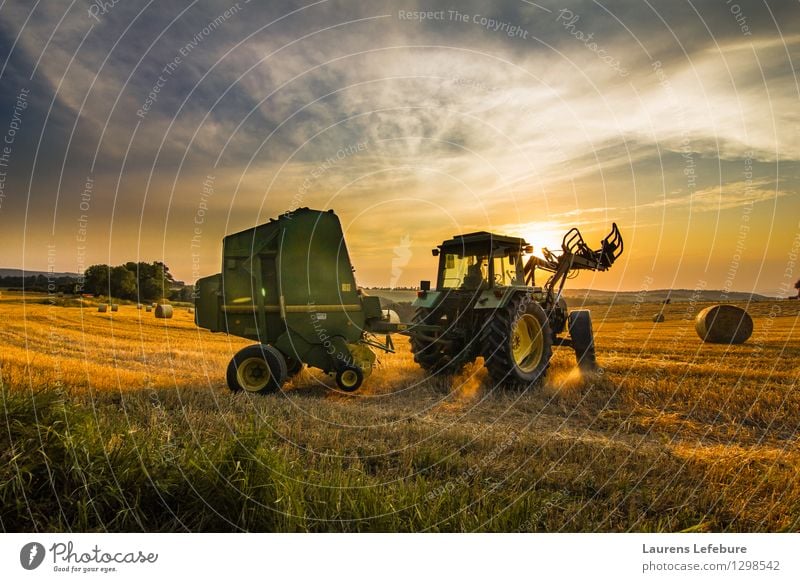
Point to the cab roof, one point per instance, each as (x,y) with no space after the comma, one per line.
(481,238)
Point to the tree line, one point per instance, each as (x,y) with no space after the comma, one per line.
(138,281)
(142,282)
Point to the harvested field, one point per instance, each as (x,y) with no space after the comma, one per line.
(123,422)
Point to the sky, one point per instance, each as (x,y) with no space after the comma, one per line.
(143,130)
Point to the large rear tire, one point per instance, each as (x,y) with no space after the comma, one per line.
(258,369)
(517,343)
(436,357)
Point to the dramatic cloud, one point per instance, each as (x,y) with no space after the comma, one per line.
(516,116)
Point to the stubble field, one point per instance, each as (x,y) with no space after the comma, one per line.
(122,422)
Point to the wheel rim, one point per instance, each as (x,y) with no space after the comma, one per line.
(253,374)
(349,378)
(527,343)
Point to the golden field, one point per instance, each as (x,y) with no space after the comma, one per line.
(131,425)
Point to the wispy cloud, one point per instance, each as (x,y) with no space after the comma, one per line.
(723,197)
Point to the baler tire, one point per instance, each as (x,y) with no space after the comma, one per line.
(349,378)
(505,356)
(257,369)
(580,331)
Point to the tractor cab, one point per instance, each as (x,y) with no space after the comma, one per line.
(480,260)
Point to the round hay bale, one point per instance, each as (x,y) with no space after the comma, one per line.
(724,324)
(102,308)
(191,310)
(154,305)
(658,318)
(138,306)
(114,307)
(149,308)
(164,311)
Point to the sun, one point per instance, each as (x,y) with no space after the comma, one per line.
(542,235)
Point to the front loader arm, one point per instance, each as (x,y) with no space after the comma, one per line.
(575,255)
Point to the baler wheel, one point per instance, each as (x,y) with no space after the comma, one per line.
(349,378)
(258,369)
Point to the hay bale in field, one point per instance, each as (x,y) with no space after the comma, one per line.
(102,308)
(149,308)
(658,318)
(154,305)
(164,311)
(191,310)
(724,324)
(138,306)
(114,307)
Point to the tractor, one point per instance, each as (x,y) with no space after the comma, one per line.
(486,303)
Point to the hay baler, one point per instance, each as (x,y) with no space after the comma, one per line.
(289,285)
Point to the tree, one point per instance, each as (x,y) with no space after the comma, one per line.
(96,280)
(123,283)
(185,293)
(142,281)
(152,279)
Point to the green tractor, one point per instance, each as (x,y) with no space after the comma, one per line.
(486,303)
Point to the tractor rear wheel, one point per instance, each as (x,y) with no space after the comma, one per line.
(517,343)
(258,369)
(436,354)
(580,331)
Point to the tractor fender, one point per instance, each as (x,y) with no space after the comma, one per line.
(428,300)
(497,298)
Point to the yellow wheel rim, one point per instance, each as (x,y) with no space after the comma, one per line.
(349,378)
(253,374)
(527,343)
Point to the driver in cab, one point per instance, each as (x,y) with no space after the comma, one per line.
(475,278)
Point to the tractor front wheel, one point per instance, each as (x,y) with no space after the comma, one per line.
(258,369)
(580,332)
(436,352)
(517,343)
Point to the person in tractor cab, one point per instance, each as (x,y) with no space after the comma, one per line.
(475,278)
